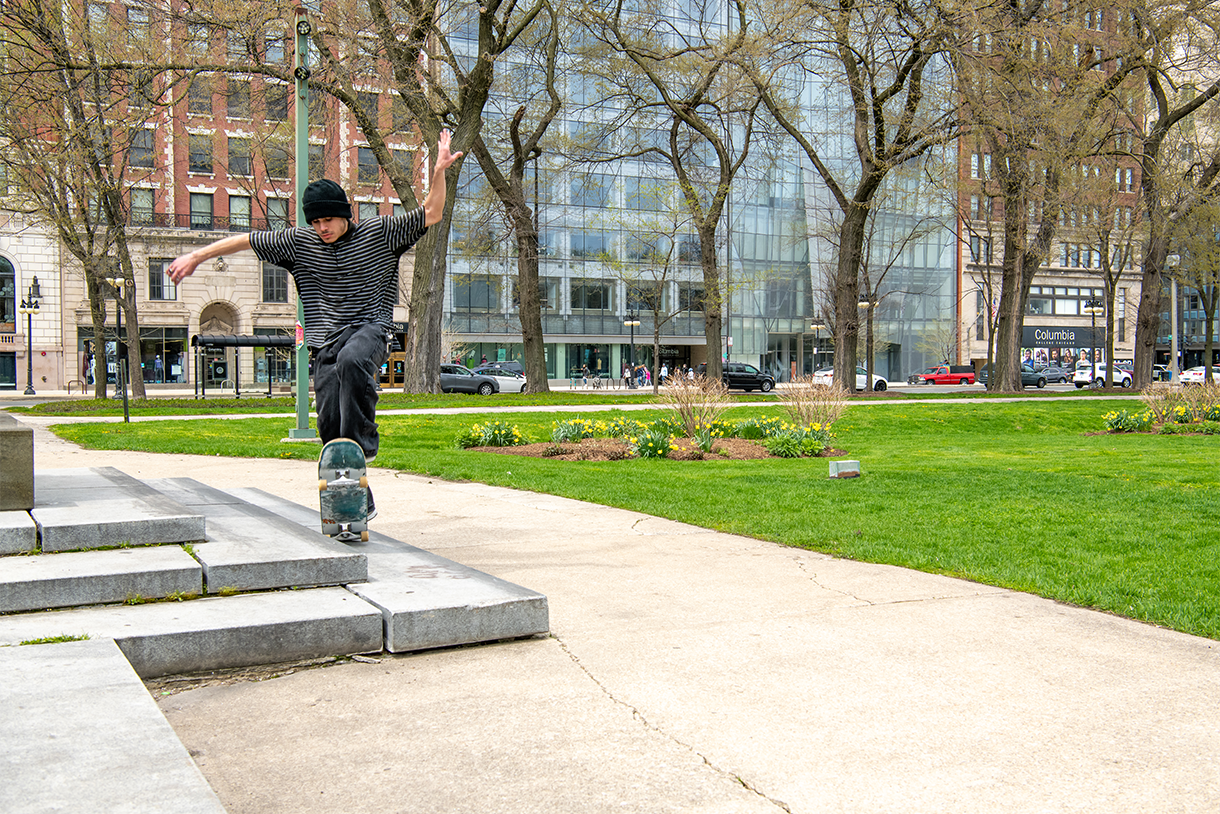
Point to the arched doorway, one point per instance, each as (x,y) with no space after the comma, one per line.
(218,363)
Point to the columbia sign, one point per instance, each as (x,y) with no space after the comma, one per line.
(1046,336)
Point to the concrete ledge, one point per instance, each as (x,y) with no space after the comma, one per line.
(102,507)
(250,548)
(163,638)
(81,733)
(429,601)
(18,533)
(17,473)
(93,577)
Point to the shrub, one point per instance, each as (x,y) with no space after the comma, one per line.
(492,434)
(651,443)
(623,427)
(695,402)
(793,441)
(574,429)
(754,429)
(1124,421)
(807,402)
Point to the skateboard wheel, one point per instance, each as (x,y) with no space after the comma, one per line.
(364,482)
(321,484)
(364,536)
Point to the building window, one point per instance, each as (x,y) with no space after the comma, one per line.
(476,292)
(160,287)
(199,96)
(142,92)
(644,193)
(201,153)
(980,249)
(279,161)
(142,144)
(274,49)
(591,295)
(645,296)
(275,283)
(239,156)
(366,210)
(548,294)
(689,249)
(196,39)
(317,160)
(8,296)
(398,210)
(591,189)
(277,102)
(278,213)
(591,244)
(201,210)
(142,206)
(238,99)
(366,166)
(368,102)
(239,213)
(690,297)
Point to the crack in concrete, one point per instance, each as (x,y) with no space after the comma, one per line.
(813,577)
(639,716)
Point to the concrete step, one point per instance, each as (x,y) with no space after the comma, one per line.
(81,733)
(164,638)
(18,533)
(101,507)
(250,548)
(95,577)
(428,601)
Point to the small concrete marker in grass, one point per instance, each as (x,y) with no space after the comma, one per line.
(844,469)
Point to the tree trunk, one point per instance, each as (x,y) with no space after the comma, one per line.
(529,309)
(714,303)
(847,294)
(423,351)
(1148,320)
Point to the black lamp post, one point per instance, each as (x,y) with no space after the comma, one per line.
(631,322)
(29,307)
(120,347)
(1093,308)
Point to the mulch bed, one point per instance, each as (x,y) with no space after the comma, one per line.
(615,449)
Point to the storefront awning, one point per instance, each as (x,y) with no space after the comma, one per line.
(240,341)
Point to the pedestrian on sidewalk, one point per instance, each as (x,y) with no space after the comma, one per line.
(347,277)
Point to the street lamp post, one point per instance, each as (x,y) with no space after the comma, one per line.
(120,347)
(1093,308)
(29,307)
(632,322)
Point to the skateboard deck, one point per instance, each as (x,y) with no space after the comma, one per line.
(343,486)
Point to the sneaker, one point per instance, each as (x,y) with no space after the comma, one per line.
(372,505)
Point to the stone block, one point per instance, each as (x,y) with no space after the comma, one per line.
(251,548)
(101,507)
(17,473)
(844,469)
(18,533)
(96,577)
(81,733)
(165,638)
(427,600)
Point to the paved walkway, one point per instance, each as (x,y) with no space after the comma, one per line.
(692,671)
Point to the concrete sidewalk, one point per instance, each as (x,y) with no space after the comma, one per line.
(692,671)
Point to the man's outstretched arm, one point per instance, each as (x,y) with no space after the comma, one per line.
(434,202)
(185,265)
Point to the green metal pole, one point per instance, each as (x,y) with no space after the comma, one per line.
(301,72)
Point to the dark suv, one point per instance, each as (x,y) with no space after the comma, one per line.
(740,376)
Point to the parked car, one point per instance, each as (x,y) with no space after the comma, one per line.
(740,376)
(1196,375)
(827,376)
(1029,376)
(1087,374)
(511,364)
(947,374)
(510,381)
(1055,374)
(459,379)
(1161,373)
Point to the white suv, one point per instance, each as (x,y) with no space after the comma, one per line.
(1087,374)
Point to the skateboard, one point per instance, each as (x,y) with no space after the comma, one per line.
(344,490)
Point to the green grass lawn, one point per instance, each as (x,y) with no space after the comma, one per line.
(1021,495)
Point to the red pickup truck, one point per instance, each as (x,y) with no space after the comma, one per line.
(947,374)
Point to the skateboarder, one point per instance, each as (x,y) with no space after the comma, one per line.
(347,277)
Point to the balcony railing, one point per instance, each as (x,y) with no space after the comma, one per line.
(207,223)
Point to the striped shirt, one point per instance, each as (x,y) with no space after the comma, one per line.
(353,281)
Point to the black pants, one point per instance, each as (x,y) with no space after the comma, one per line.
(345,385)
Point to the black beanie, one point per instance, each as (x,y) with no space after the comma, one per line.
(325,199)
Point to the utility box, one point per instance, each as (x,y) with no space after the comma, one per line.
(844,469)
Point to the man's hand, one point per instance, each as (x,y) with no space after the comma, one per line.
(434,202)
(445,158)
(182,268)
